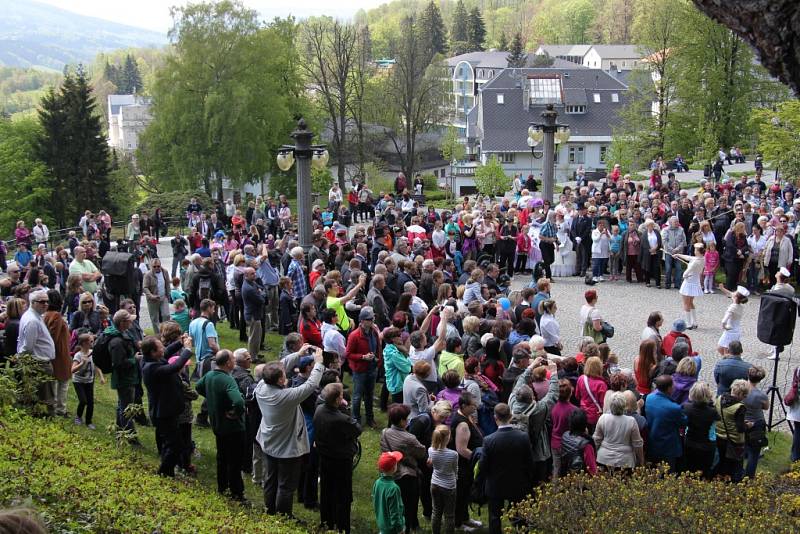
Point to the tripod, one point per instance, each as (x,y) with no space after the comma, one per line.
(774,392)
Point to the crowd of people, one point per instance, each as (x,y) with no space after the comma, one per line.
(413,305)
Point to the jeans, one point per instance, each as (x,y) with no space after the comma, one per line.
(708,282)
(85,394)
(616,266)
(598,267)
(125,396)
(672,271)
(444,509)
(796,442)
(752,454)
(159,312)
(363,388)
(280,483)
(176,263)
(229,463)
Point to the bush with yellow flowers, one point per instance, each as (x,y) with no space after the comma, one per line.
(651,500)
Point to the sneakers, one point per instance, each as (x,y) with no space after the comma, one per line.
(90,426)
(78,421)
(474,523)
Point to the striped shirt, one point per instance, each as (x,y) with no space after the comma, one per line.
(445,467)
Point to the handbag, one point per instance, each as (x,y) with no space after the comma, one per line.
(608,330)
(757,437)
(791,395)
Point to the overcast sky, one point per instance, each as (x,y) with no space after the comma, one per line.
(154,14)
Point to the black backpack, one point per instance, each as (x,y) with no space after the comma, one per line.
(119,273)
(100,353)
(204,290)
(572,454)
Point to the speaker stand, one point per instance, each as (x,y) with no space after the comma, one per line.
(773,392)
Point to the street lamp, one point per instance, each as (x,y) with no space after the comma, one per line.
(549,133)
(307,155)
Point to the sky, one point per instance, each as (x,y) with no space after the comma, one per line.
(154,14)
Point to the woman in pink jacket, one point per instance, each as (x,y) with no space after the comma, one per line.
(591,390)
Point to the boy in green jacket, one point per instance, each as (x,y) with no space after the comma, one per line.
(386,498)
(226,414)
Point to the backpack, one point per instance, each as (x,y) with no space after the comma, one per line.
(477,493)
(486,422)
(204,290)
(572,454)
(100,353)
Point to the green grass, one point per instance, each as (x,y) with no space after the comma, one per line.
(362,515)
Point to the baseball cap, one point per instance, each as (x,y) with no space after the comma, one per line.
(366,314)
(388,460)
(304,362)
(679,325)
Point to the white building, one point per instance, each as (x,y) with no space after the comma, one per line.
(128,116)
(603,57)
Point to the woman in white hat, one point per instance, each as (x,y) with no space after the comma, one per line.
(732,320)
(691,288)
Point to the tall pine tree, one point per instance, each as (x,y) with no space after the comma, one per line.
(433,29)
(476,30)
(74,149)
(502,43)
(458,30)
(517,58)
(131,75)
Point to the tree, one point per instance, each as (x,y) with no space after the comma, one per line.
(491,179)
(413,95)
(224,100)
(634,142)
(614,22)
(74,150)
(330,55)
(476,30)
(502,43)
(24,179)
(458,29)
(433,29)
(450,147)
(542,60)
(779,136)
(132,79)
(517,58)
(363,104)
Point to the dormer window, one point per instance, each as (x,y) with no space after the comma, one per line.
(575,109)
(500,99)
(615,97)
(596,97)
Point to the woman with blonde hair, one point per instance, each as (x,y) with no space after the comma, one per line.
(591,389)
(73,293)
(731,430)
(471,340)
(734,255)
(444,462)
(472,290)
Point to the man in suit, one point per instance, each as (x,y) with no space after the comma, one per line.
(507,465)
(581,234)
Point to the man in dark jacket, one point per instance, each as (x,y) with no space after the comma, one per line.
(206,285)
(125,373)
(506,466)
(336,437)
(226,414)
(254,298)
(581,235)
(165,394)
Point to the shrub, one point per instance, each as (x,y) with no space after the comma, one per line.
(20,379)
(82,485)
(652,501)
(173,204)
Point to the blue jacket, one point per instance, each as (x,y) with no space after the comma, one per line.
(664,419)
(253,297)
(727,370)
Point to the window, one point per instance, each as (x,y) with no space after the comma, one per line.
(603,153)
(615,97)
(576,154)
(505,157)
(624,63)
(545,90)
(500,98)
(596,98)
(575,109)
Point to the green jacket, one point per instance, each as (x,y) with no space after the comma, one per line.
(451,360)
(388,504)
(223,396)
(125,369)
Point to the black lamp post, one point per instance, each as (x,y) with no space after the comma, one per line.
(306,155)
(550,133)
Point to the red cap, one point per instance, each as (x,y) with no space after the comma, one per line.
(388,460)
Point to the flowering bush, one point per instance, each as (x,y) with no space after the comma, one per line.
(653,501)
(81,485)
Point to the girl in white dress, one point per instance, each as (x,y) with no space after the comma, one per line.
(732,320)
(564,264)
(691,288)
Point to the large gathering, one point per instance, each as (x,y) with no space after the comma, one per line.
(446,320)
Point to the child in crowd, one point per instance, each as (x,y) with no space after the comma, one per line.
(177,292)
(103,312)
(615,247)
(83,373)
(712,264)
(444,462)
(181,314)
(523,247)
(386,498)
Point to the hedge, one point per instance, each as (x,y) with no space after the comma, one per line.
(82,485)
(173,203)
(650,500)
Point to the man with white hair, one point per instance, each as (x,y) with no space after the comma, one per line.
(41,234)
(241,373)
(297,273)
(86,270)
(400,251)
(674,242)
(418,306)
(35,339)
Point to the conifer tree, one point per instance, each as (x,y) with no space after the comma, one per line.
(476,30)
(502,43)
(517,57)
(433,29)
(458,31)
(132,77)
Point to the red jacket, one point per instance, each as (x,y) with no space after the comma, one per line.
(669,341)
(357,346)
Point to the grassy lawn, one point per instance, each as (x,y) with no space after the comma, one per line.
(775,460)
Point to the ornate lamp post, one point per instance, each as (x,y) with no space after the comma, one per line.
(307,155)
(551,134)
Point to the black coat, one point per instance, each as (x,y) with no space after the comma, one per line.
(163,383)
(507,464)
(644,251)
(581,227)
(335,433)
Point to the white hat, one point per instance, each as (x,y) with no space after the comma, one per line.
(742,291)
(785,272)
(486,337)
